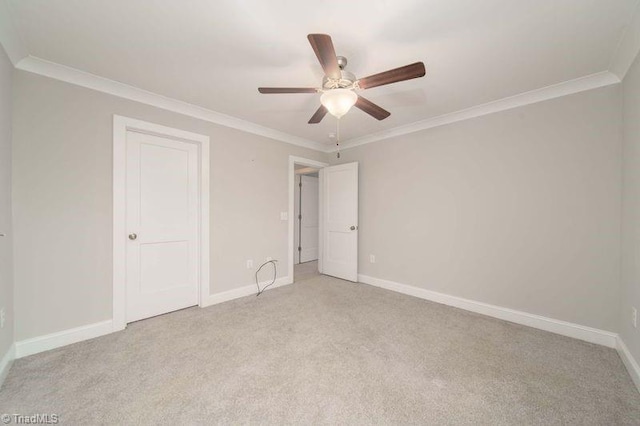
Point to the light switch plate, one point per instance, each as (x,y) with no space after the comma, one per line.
(284,215)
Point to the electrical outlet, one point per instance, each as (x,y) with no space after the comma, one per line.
(634,317)
(250,264)
(372,258)
(2,318)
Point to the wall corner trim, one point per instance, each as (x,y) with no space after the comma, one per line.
(582,84)
(77,77)
(629,361)
(564,328)
(10,38)
(6,362)
(62,338)
(247,290)
(627,48)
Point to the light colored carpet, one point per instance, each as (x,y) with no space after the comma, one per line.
(304,271)
(326,351)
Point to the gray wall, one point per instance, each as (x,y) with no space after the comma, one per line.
(519,209)
(631,209)
(6,261)
(62,175)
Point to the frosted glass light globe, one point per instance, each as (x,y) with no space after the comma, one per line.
(338,101)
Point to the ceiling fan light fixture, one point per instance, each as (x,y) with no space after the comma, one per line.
(338,101)
(339,85)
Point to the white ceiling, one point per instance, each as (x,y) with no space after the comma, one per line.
(215,54)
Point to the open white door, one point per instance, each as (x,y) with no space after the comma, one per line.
(340,221)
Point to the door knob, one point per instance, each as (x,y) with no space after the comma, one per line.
(132,237)
(353,228)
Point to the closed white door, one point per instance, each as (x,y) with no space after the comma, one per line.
(309,219)
(340,221)
(162,225)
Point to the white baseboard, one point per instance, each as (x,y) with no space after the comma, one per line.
(247,290)
(62,338)
(629,361)
(6,362)
(588,334)
(55,340)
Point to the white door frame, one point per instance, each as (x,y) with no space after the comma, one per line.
(293,160)
(121,125)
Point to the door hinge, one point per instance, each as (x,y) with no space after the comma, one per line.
(299,248)
(300,184)
(300,216)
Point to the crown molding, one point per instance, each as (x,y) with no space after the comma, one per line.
(582,84)
(84,79)
(9,36)
(622,59)
(91,81)
(628,47)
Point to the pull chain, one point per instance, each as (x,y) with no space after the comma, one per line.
(338,138)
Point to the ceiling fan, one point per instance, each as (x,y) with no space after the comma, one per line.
(339,86)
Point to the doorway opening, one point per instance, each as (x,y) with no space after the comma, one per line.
(304,218)
(337,220)
(306,229)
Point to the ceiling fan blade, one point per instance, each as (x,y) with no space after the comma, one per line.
(323,46)
(392,76)
(272,90)
(372,109)
(319,115)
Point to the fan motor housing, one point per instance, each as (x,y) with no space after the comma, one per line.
(347,78)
